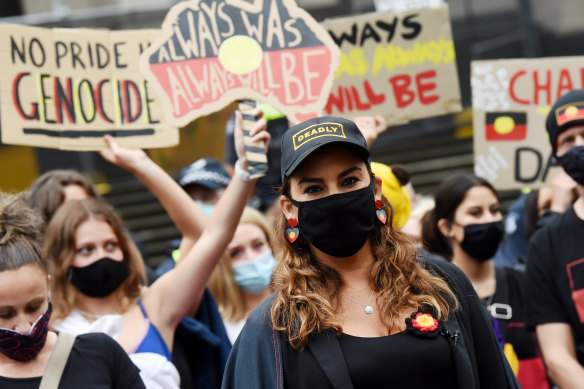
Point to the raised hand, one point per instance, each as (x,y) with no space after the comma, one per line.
(371,127)
(128,159)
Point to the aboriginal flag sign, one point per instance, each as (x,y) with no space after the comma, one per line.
(506,126)
(211,53)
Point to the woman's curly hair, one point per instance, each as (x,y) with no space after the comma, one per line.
(307,291)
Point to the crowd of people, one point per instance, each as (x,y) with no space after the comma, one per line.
(340,283)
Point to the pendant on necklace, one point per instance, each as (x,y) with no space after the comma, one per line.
(368,309)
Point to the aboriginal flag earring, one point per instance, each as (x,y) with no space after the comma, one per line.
(292,232)
(380,212)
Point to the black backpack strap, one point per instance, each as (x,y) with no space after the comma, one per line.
(327,351)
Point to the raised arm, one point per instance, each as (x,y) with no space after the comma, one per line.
(172,296)
(183,211)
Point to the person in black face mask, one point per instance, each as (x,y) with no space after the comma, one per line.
(555,268)
(354,306)
(28,349)
(98,271)
(466,228)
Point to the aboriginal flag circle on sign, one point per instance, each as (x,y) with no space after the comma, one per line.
(506,126)
(214,52)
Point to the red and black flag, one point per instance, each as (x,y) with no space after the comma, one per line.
(506,126)
(567,113)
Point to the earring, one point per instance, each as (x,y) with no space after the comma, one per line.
(380,212)
(292,232)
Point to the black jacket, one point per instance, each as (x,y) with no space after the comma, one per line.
(256,358)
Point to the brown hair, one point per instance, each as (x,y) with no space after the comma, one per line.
(60,249)
(308,291)
(222,285)
(448,196)
(20,234)
(46,192)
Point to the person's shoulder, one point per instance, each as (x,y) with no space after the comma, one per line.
(451,273)
(439,264)
(260,316)
(94,340)
(512,273)
(561,225)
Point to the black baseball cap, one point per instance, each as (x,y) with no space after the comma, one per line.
(301,140)
(567,111)
(207,172)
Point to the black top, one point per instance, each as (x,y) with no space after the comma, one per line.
(401,360)
(96,361)
(256,360)
(555,276)
(510,293)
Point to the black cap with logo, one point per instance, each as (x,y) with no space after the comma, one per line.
(301,140)
(567,111)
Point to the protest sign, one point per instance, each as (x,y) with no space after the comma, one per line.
(66,88)
(398,65)
(511,100)
(212,52)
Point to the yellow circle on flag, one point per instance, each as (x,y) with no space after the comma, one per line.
(571,111)
(504,124)
(240,54)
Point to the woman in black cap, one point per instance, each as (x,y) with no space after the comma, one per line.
(353,306)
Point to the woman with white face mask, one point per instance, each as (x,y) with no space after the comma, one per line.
(466,227)
(28,350)
(243,277)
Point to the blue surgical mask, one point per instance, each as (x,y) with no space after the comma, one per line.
(206,208)
(254,276)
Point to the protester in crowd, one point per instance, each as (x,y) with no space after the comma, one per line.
(352,304)
(29,352)
(54,187)
(243,277)
(555,268)
(529,213)
(466,227)
(97,270)
(204,181)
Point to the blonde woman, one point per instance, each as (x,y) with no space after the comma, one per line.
(243,277)
(97,270)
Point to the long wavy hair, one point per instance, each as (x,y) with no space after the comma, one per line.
(307,293)
(222,285)
(59,252)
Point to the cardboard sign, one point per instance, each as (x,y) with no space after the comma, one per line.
(511,100)
(214,52)
(66,88)
(398,65)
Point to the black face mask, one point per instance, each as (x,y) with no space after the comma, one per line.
(482,240)
(339,224)
(573,163)
(101,278)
